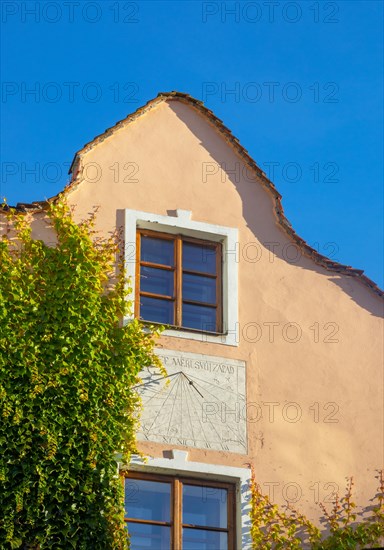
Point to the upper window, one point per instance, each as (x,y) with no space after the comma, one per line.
(210,254)
(167,512)
(179,281)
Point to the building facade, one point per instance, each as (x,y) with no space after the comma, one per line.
(273,352)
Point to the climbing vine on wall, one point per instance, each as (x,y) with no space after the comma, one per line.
(273,528)
(67,367)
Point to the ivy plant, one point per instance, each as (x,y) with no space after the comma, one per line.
(273,528)
(67,370)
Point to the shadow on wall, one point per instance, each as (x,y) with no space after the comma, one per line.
(256,199)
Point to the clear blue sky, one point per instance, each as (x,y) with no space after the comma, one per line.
(306,81)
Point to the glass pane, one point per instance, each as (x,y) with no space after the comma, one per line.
(198,288)
(149,500)
(154,309)
(157,281)
(149,536)
(199,317)
(157,251)
(205,506)
(199,257)
(199,539)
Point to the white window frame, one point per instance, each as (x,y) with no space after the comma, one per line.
(182,224)
(178,464)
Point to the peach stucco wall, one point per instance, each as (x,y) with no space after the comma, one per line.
(337,386)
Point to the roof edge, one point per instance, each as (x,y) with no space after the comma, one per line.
(307,250)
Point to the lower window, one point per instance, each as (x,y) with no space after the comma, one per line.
(179,513)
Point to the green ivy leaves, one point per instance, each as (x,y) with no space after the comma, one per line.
(274,529)
(67,368)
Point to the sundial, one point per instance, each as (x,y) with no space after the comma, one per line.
(200,403)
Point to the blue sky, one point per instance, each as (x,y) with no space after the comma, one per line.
(300,84)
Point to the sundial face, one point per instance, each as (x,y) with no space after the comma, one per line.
(200,403)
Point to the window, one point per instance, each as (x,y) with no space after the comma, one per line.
(181,223)
(179,281)
(179,513)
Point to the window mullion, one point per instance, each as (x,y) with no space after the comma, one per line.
(179,279)
(138,270)
(219,289)
(230,518)
(177,515)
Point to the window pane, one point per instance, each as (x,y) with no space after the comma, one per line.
(149,536)
(149,500)
(199,257)
(198,288)
(199,317)
(205,506)
(199,539)
(154,309)
(157,281)
(157,251)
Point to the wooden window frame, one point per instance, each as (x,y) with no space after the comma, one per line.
(178,270)
(176,525)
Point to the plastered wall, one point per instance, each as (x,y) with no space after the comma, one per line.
(312,339)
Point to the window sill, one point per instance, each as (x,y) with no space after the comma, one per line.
(183,329)
(224,338)
(214,338)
